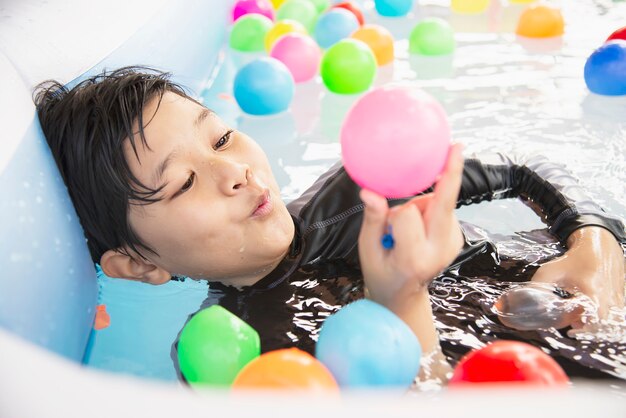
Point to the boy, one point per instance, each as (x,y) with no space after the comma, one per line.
(164,188)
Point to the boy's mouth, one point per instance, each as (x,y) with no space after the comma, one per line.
(264,205)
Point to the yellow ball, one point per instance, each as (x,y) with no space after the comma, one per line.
(277,3)
(281,28)
(469,6)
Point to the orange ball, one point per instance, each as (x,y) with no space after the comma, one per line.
(379,40)
(288,368)
(540,21)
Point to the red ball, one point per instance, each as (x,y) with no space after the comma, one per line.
(618,34)
(353,8)
(508,361)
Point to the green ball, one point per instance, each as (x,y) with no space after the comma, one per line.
(248,33)
(348,67)
(214,346)
(432,36)
(302,11)
(320,5)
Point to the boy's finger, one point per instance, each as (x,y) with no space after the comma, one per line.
(446,191)
(374,225)
(421,201)
(408,230)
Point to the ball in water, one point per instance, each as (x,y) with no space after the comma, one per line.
(264,87)
(393,8)
(248,33)
(348,67)
(508,361)
(395,141)
(280,29)
(302,11)
(380,41)
(214,346)
(540,21)
(469,6)
(288,368)
(364,344)
(605,69)
(244,7)
(300,54)
(333,26)
(432,36)
(618,34)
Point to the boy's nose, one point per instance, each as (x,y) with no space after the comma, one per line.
(234,176)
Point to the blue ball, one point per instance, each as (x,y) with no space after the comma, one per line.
(333,26)
(605,70)
(264,87)
(366,345)
(393,8)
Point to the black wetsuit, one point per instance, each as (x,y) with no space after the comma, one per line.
(321,272)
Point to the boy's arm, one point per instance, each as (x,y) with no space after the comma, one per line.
(594,261)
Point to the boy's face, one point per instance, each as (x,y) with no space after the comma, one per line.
(214,220)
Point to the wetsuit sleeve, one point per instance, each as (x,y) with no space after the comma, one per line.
(547,185)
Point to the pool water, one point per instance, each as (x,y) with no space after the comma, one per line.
(501,93)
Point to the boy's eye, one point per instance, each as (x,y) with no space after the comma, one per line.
(223,140)
(188,183)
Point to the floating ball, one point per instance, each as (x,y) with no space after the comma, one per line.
(380,41)
(395,141)
(605,69)
(508,361)
(244,7)
(300,54)
(393,8)
(333,26)
(364,344)
(432,36)
(469,6)
(280,29)
(618,34)
(352,8)
(302,11)
(248,33)
(321,5)
(289,368)
(540,21)
(264,87)
(277,3)
(348,67)
(214,346)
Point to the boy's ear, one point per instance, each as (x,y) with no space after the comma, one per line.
(117,264)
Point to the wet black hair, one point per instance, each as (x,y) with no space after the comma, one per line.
(85,127)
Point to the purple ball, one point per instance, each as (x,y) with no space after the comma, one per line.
(262,7)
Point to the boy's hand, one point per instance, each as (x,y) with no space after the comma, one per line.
(593,265)
(427,238)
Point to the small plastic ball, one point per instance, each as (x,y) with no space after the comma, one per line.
(214,346)
(432,36)
(540,21)
(248,33)
(395,141)
(277,3)
(508,361)
(333,26)
(302,11)
(605,69)
(288,368)
(393,8)
(380,41)
(618,34)
(300,54)
(469,6)
(348,67)
(282,28)
(364,344)
(321,5)
(352,8)
(244,7)
(264,87)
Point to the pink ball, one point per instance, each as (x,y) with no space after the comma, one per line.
(300,54)
(395,141)
(262,7)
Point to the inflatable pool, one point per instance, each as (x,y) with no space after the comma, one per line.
(49,289)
